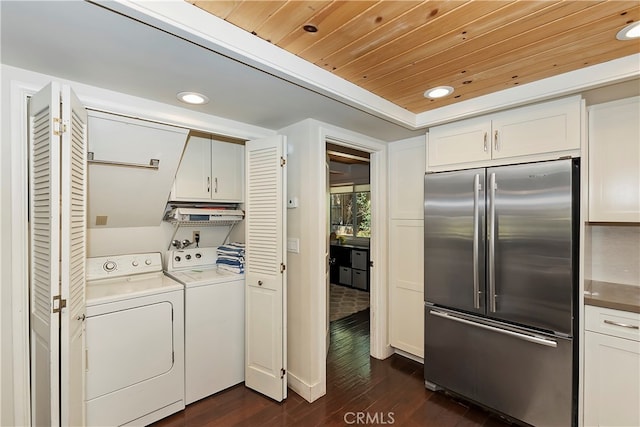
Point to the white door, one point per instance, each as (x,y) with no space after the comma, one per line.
(57,145)
(265,270)
(72,260)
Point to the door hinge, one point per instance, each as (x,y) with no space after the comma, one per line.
(370,264)
(58,127)
(58,304)
(283,161)
(282,268)
(282,373)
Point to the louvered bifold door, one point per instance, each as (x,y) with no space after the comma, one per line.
(44,201)
(72,265)
(265,270)
(57,206)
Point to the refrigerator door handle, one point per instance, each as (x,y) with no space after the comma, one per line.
(492,242)
(525,337)
(476,238)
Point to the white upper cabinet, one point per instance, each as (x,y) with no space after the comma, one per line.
(406,177)
(542,128)
(544,131)
(460,142)
(614,161)
(210,170)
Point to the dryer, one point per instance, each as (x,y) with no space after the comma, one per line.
(134,341)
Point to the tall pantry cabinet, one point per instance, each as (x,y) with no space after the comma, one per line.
(406,245)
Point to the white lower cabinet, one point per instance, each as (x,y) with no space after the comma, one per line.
(611,368)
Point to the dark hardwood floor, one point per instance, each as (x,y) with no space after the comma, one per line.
(360,391)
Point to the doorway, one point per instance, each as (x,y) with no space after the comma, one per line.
(349,228)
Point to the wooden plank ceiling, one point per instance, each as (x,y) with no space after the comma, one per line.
(399,49)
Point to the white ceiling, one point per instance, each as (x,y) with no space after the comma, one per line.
(83,42)
(155,49)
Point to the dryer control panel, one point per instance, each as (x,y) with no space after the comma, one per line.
(123,265)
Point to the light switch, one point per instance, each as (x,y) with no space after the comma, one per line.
(293,245)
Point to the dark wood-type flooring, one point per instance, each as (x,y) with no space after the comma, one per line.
(390,392)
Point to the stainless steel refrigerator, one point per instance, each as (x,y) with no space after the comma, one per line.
(501,263)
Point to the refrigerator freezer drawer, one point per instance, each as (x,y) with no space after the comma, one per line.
(523,375)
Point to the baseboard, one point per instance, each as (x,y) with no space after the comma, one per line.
(308,392)
(409,355)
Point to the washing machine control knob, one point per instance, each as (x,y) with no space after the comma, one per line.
(134,263)
(109,266)
(187,256)
(198,255)
(177,259)
(147,261)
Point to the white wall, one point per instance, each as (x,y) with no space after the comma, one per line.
(130,240)
(15,85)
(305,154)
(307,290)
(612,253)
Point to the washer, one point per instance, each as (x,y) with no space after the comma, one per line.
(214,321)
(134,341)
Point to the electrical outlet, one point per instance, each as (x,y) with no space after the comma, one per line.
(196,236)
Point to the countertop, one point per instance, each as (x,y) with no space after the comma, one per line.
(615,296)
(351,246)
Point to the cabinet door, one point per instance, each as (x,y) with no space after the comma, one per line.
(406,286)
(227,171)
(611,387)
(406,177)
(460,142)
(614,168)
(537,129)
(193,179)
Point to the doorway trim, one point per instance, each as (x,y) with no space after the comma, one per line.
(379,339)
(19,96)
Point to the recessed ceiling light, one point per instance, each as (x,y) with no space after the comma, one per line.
(630,32)
(438,92)
(193,98)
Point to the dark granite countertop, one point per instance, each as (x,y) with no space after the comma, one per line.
(351,246)
(615,296)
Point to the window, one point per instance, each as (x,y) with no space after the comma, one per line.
(351,211)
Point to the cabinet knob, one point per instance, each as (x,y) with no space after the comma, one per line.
(259,282)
